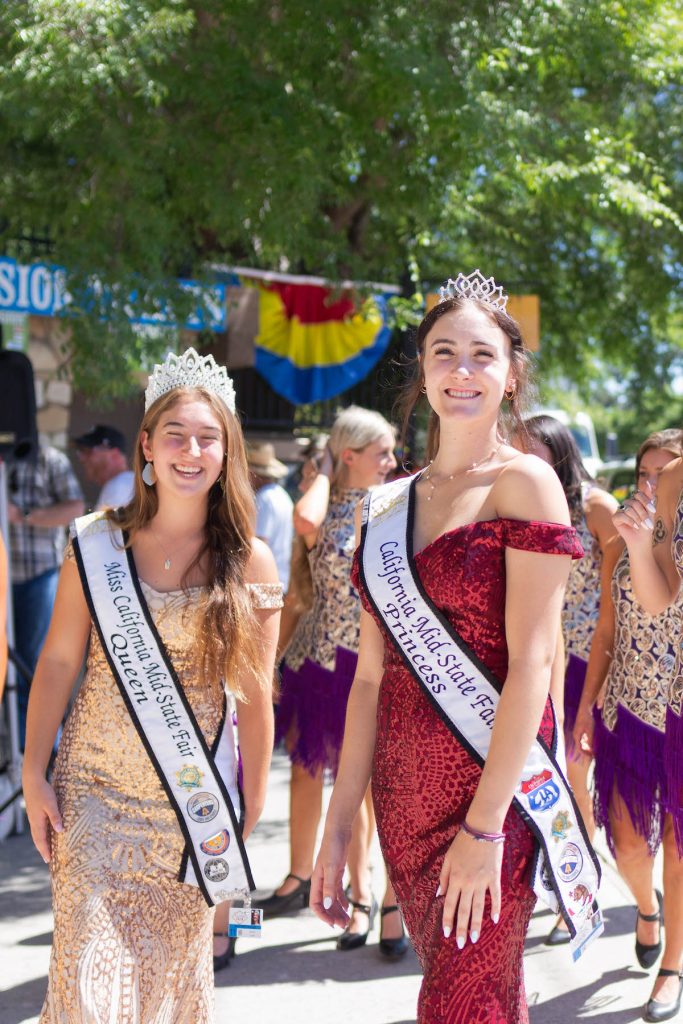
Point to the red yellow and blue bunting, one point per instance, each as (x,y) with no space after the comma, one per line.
(314,342)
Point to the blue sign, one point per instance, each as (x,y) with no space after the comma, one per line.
(41,290)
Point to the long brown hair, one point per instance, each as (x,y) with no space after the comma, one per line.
(671,440)
(228,632)
(519,361)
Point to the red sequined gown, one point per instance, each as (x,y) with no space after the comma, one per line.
(423,781)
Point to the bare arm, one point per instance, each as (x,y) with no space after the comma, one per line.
(601,652)
(647,530)
(56,672)
(59,514)
(311,508)
(255,711)
(599,509)
(557,680)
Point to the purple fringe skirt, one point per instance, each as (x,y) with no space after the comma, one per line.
(312,711)
(645,767)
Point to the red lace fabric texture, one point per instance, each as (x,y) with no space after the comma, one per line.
(423,781)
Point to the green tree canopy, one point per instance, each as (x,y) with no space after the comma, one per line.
(146,139)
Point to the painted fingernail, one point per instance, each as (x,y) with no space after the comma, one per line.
(446,931)
(495,918)
(461,941)
(59,827)
(438,892)
(651,507)
(648,522)
(474,936)
(327,902)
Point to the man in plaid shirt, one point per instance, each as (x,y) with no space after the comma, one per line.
(44,496)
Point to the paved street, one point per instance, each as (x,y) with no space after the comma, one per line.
(296,975)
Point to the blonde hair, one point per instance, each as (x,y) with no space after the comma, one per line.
(228,631)
(354,428)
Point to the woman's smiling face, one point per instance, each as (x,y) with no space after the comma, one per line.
(466,365)
(187,447)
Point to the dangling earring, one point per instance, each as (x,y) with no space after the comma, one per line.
(509,393)
(221,483)
(149,475)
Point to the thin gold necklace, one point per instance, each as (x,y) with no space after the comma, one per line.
(475,465)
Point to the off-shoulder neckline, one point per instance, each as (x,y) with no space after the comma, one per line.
(488,522)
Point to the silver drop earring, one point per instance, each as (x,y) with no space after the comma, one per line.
(148,475)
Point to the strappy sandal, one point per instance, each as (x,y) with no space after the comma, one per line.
(393,949)
(353,940)
(647,955)
(656,1011)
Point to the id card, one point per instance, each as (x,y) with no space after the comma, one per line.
(245,923)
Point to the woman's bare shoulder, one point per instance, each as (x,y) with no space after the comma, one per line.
(528,488)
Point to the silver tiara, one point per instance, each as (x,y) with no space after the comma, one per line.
(476,286)
(190,370)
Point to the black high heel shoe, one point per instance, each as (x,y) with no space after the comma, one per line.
(647,955)
(354,940)
(656,1011)
(392,949)
(297,899)
(219,962)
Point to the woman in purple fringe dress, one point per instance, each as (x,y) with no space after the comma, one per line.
(636,742)
(320,662)
(591,510)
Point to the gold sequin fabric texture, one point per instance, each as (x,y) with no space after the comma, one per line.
(642,668)
(132,945)
(334,618)
(582,596)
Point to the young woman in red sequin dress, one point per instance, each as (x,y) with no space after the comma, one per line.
(494,544)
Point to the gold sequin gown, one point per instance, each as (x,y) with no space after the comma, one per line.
(132,944)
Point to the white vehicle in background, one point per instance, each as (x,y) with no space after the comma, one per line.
(581,426)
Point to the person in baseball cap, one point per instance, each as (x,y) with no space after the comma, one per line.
(102,454)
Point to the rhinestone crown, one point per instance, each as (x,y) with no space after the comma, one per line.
(190,370)
(476,286)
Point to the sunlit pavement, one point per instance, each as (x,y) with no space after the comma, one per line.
(295,974)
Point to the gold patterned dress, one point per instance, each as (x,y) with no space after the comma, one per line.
(132,944)
(320,662)
(638,733)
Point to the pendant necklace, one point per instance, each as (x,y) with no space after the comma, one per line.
(474,465)
(167,560)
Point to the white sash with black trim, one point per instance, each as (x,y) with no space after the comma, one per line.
(566,871)
(201,784)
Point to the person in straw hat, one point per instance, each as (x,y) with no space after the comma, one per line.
(274,508)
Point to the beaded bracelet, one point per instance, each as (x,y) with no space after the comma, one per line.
(483,837)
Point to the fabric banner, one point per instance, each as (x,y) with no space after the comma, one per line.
(315,342)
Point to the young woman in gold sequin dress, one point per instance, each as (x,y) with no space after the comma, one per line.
(132,944)
(652,528)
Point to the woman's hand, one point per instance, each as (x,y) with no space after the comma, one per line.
(584,727)
(471,868)
(42,812)
(633,520)
(328,899)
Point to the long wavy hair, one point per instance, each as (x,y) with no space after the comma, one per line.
(511,418)
(566,458)
(228,631)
